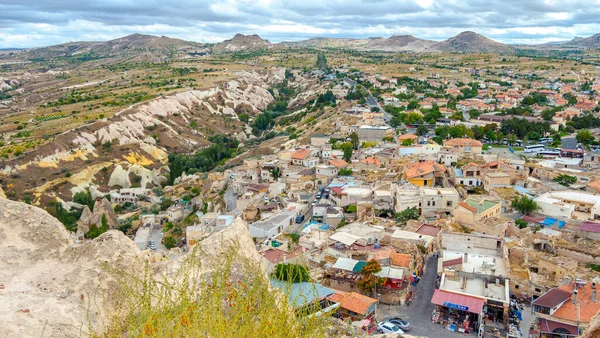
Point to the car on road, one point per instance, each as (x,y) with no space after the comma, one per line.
(299,219)
(314,202)
(152,246)
(403,324)
(387,327)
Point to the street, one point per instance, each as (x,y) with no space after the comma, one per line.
(418,314)
(157,238)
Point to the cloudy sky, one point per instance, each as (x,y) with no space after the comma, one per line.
(32,23)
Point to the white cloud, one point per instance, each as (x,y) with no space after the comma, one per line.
(31,23)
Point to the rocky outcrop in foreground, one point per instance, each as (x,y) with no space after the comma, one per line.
(51,286)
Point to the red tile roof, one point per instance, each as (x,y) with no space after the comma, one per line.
(585,308)
(353,301)
(301,154)
(402,260)
(337,190)
(371,161)
(468,207)
(339,163)
(423,168)
(453,142)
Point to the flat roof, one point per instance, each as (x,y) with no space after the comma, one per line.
(302,293)
(273,221)
(481,205)
(478,262)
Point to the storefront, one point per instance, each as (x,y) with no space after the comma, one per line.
(457,312)
(552,329)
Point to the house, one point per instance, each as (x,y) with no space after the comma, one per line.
(590,230)
(303,158)
(569,204)
(324,171)
(435,200)
(368,163)
(354,305)
(272,226)
(568,309)
(338,163)
(495,179)
(142,238)
(425,173)
(374,133)
(447,158)
(472,210)
(463,145)
(175,213)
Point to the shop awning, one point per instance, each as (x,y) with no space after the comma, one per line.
(344,263)
(548,326)
(458,302)
(389,272)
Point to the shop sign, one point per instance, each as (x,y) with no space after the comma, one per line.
(456,306)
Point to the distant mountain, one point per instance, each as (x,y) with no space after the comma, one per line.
(320,42)
(393,43)
(241,42)
(401,43)
(130,45)
(471,42)
(589,42)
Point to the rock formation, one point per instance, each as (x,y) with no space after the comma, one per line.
(89,218)
(53,285)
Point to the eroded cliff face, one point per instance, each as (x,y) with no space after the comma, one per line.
(593,331)
(53,285)
(137,140)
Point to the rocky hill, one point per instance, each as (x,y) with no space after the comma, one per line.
(135,142)
(52,286)
(130,45)
(241,42)
(400,43)
(471,42)
(589,42)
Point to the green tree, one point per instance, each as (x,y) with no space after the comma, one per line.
(584,136)
(354,140)
(276,172)
(96,231)
(556,140)
(565,180)
(407,142)
(511,139)
(345,172)
(84,198)
(347,148)
(422,130)
(524,204)
(407,214)
(169,242)
(369,281)
(244,117)
(291,273)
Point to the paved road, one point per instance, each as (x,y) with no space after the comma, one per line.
(230,199)
(157,238)
(418,314)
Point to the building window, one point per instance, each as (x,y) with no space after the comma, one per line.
(449,203)
(516,286)
(467,149)
(433,203)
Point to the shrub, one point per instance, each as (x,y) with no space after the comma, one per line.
(292,273)
(521,224)
(169,242)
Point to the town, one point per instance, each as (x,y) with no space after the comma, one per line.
(427,205)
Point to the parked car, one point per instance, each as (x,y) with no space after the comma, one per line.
(152,246)
(314,202)
(299,219)
(387,327)
(403,324)
(319,196)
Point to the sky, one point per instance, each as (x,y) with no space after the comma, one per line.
(35,23)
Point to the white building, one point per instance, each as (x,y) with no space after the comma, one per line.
(142,237)
(569,204)
(272,226)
